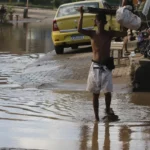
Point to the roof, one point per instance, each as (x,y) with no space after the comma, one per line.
(86,1)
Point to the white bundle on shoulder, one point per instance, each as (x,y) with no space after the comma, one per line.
(127,19)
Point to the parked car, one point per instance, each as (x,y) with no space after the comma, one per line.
(64,32)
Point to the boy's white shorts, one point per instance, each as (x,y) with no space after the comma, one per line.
(99,79)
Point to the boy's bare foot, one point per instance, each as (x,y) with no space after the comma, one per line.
(96,121)
(110,118)
(109,112)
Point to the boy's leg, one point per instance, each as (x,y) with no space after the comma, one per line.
(96,106)
(108,102)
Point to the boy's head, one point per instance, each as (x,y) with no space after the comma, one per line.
(101,18)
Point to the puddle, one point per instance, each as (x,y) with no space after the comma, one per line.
(26,38)
(40,119)
(62,113)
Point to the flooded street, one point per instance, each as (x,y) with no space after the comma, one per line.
(44,105)
(26,38)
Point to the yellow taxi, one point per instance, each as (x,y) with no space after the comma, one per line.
(64,31)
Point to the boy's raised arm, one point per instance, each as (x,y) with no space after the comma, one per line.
(80,28)
(124,2)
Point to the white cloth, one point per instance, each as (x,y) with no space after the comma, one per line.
(127,19)
(99,79)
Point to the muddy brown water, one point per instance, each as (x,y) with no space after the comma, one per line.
(26,38)
(61,117)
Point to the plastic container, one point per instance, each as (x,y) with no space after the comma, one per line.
(112,24)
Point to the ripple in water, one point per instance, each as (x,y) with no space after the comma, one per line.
(35,104)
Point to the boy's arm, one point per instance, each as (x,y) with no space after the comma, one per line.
(80,29)
(123,2)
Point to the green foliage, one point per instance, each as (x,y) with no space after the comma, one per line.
(10,10)
(41,3)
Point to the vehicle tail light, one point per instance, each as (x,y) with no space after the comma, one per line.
(55,27)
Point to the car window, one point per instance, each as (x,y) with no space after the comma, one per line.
(114,2)
(71,9)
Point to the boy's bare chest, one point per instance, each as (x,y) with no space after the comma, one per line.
(101,40)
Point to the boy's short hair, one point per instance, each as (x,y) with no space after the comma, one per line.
(101,17)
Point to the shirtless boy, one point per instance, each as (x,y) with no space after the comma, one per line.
(100,77)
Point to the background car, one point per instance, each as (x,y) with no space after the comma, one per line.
(65,23)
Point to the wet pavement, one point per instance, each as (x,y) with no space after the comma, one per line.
(44,105)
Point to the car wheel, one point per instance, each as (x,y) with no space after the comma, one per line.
(74,47)
(59,49)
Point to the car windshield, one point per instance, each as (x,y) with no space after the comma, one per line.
(71,9)
(114,2)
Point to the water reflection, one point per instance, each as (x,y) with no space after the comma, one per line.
(26,38)
(112,136)
(95,145)
(95,140)
(84,137)
(125,137)
(106,138)
(25,26)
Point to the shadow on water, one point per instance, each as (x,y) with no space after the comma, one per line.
(26,38)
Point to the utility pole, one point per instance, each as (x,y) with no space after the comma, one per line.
(27,4)
(25,13)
